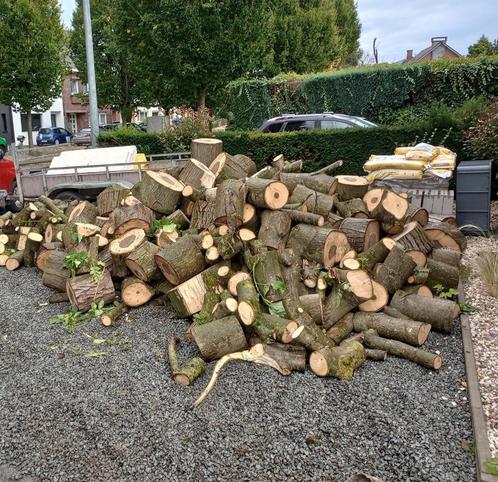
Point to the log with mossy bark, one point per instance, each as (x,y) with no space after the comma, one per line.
(141,261)
(15,260)
(337,304)
(187,373)
(376,253)
(311,337)
(447,256)
(339,362)
(52,206)
(33,244)
(107,319)
(402,350)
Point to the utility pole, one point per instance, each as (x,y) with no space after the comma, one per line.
(92,87)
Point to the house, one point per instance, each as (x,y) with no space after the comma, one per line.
(438,49)
(76,108)
(6,123)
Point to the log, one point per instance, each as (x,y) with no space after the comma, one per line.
(184,375)
(43,253)
(203,214)
(158,191)
(311,337)
(197,175)
(235,279)
(375,254)
(420,290)
(55,274)
(50,204)
(314,201)
(270,328)
(342,329)
(110,199)
(390,311)
(227,306)
(119,268)
(290,358)
(248,307)
(305,218)
(395,270)
(3,259)
(229,204)
(83,291)
(447,256)
(275,228)
(337,304)
(419,215)
(179,219)
(135,292)
(15,260)
(267,193)
(412,332)
(313,305)
(32,245)
(339,361)
(180,261)
(219,337)
(328,169)
(85,212)
(388,207)
(322,245)
(321,183)
(127,242)
(354,208)
(375,355)
(413,237)
(378,301)
(110,317)
(51,232)
(205,150)
(417,256)
(442,274)
(58,297)
(402,350)
(127,218)
(359,282)
(232,167)
(141,262)
(361,233)
(350,187)
(437,312)
(444,236)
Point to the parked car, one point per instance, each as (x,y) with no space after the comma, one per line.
(53,135)
(3,146)
(83,137)
(326,120)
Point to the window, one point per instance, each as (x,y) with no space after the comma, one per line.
(4,122)
(75,86)
(102,118)
(299,125)
(333,124)
(36,119)
(274,127)
(84,89)
(53,119)
(141,116)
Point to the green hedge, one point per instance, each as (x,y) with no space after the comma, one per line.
(365,91)
(316,147)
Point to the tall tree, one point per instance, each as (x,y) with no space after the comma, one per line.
(121,84)
(483,47)
(32,55)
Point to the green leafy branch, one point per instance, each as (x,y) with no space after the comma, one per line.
(445,294)
(164,224)
(73,317)
(74,261)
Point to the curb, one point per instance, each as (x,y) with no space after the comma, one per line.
(482,451)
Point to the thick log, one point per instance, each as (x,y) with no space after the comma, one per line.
(32,245)
(203,214)
(230,201)
(342,329)
(417,256)
(227,306)
(339,362)
(232,167)
(420,290)
(395,270)
(413,237)
(158,191)
(141,262)
(15,260)
(186,374)
(320,183)
(197,175)
(442,274)
(361,233)
(338,304)
(43,253)
(248,308)
(358,280)
(437,312)
(388,207)
(375,254)
(85,212)
(289,358)
(314,201)
(235,279)
(420,215)
(219,337)
(127,242)
(267,193)
(351,187)
(55,274)
(444,236)
(447,256)
(402,350)
(275,228)
(135,292)
(180,261)
(126,218)
(110,317)
(354,208)
(378,301)
(313,305)
(413,332)
(205,150)
(83,291)
(311,337)
(322,245)
(390,311)
(110,199)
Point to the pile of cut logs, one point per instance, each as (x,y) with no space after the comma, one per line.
(273,265)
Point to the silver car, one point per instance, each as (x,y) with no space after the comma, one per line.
(326,120)
(83,137)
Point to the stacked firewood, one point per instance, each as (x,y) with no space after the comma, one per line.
(272,265)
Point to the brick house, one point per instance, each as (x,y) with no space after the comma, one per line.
(76,108)
(438,49)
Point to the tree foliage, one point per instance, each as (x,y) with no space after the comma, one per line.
(32,55)
(483,47)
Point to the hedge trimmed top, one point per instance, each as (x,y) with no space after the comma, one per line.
(367,91)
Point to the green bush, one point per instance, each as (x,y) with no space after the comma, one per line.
(317,148)
(367,91)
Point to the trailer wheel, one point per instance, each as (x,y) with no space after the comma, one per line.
(69,196)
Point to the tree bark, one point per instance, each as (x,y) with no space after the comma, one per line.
(314,201)
(83,291)
(395,270)
(206,150)
(55,274)
(197,175)
(203,215)
(376,253)
(110,199)
(230,201)
(158,191)
(339,361)
(320,183)
(85,212)
(132,217)
(186,374)
(447,256)
(141,262)
(275,228)
(342,329)
(361,233)
(135,292)
(311,337)
(413,237)
(354,208)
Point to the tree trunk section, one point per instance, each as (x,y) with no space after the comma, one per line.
(395,270)
(82,291)
(413,237)
(354,208)
(447,256)
(361,233)
(375,254)
(342,329)
(206,150)
(339,362)
(132,217)
(55,274)
(158,191)
(203,215)
(141,262)
(350,187)
(320,183)
(267,193)
(444,236)
(314,201)
(135,292)
(110,199)
(197,175)
(275,228)
(85,212)
(230,201)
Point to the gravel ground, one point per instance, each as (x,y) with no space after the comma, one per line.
(484,328)
(67,417)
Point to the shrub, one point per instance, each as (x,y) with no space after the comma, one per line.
(481,140)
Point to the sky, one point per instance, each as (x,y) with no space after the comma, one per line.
(400,25)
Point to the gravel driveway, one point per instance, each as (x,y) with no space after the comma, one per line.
(65,416)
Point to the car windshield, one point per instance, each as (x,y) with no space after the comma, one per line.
(361,122)
(45,130)
(85,131)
